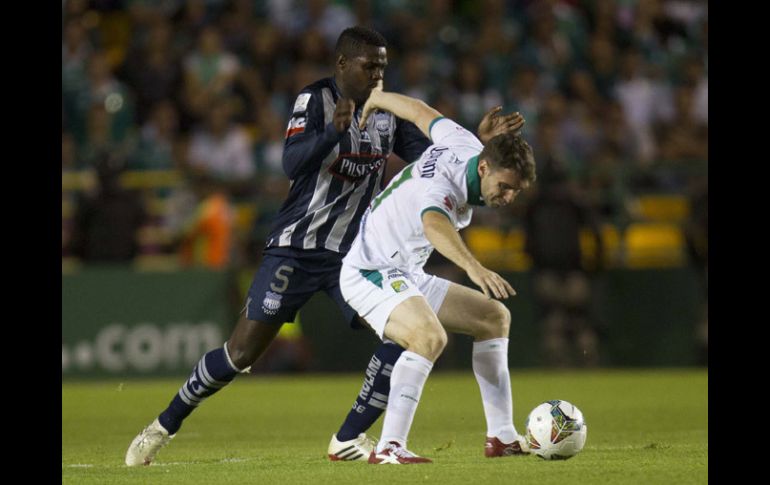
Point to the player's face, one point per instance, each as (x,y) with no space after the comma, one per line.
(361,73)
(499,187)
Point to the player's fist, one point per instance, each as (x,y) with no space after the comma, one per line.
(343,114)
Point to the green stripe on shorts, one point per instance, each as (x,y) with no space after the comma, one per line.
(372,275)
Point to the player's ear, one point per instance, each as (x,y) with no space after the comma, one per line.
(484,167)
(341,61)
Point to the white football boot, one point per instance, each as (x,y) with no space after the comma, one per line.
(357,449)
(147,443)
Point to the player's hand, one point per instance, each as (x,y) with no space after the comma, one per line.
(493,124)
(343,114)
(370,105)
(491,283)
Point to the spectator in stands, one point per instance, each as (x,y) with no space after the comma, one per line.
(152,69)
(415,80)
(76,50)
(206,236)
(635,92)
(237,22)
(602,62)
(329,18)
(102,139)
(107,221)
(683,138)
(472,98)
(222,150)
(105,90)
(553,222)
(209,72)
(526,94)
(157,146)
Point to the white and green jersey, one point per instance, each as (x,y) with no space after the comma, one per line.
(444,179)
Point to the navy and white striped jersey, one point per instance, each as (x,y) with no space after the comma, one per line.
(335,175)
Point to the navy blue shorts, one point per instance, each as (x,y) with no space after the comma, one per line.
(287,278)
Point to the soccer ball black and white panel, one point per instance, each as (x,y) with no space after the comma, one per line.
(556,430)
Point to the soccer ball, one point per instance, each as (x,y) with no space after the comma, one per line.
(556,430)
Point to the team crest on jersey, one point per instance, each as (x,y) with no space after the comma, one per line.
(272,303)
(353,167)
(399,286)
(382,122)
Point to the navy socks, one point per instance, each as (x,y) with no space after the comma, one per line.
(373,398)
(213,372)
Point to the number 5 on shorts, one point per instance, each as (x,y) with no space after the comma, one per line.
(282,274)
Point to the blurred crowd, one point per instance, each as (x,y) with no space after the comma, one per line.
(615,94)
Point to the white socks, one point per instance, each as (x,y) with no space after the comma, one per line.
(490,364)
(406,382)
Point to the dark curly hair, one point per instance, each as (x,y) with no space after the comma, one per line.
(512,152)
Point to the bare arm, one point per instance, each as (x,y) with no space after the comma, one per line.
(442,235)
(404,107)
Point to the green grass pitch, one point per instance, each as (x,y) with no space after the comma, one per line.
(643,427)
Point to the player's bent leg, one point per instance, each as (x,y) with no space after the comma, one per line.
(414,325)
(214,371)
(468,311)
(350,442)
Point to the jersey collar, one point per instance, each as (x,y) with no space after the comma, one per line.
(335,87)
(473,182)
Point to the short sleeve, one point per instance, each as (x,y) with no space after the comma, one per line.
(444,131)
(440,197)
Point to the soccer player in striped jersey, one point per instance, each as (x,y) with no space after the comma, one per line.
(382,275)
(336,165)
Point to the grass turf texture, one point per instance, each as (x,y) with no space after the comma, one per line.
(643,427)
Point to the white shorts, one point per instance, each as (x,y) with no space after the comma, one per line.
(373,294)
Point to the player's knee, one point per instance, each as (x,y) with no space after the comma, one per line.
(503,317)
(429,341)
(495,322)
(241,357)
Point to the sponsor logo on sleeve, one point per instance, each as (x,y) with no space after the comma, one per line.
(296,125)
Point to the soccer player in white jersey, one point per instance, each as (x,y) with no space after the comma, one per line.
(382,276)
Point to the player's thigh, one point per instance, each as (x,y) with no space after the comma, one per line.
(389,298)
(415,326)
(468,311)
(281,286)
